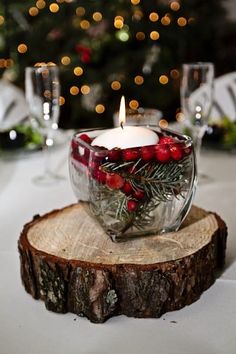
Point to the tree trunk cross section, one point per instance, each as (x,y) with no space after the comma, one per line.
(72,265)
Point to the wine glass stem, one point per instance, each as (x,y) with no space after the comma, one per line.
(198,144)
(197,141)
(47,156)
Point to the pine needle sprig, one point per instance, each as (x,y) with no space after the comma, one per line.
(112,204)
(160,182)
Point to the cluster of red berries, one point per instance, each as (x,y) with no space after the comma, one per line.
(166,150)
(117,182)
(75,151)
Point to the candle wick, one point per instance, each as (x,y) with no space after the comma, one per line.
(121,124)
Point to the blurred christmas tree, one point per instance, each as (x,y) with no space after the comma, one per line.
(108,48)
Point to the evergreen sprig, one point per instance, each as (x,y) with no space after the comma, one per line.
(160,182)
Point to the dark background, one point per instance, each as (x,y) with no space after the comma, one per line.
(189,30)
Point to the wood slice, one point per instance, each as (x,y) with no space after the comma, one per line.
(72,265)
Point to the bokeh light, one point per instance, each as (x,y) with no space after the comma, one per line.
(133,104)
(175,6)
(137,16)
(6,63)
(74,90)
(165,20)
(80,11)
(65,60)
(54,7)
(84,24)
(97,16)
(100,108)
(163,123)
(118,24)
(51,63)
(174,73)
(163,79)
(22,48)
(153,17)
(140,36)
(2,63)
(33,11)
(61,100)
(78,71)
(122,35)
(179,117)
(154,35)
(85,89)
(121,18)
(9,63)
(182,21)
(139,80)
(2,20)
(115,85)
(40,4)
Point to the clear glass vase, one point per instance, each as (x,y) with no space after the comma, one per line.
(137,191)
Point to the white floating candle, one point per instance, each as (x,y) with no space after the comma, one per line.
(126,136)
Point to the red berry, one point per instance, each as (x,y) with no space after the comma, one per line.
(131,154)
(162,153)
(166,140)
(132,205)
(81,158)
(139,194)
(127,188)
(147,153)
(85,138)
(74,144)
(99,175)
(114,181)
(93,165)
(176,152)
(114,155)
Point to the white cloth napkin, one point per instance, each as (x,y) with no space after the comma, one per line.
(13,107)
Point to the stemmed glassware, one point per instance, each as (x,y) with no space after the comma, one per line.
(196,99)
(42,89)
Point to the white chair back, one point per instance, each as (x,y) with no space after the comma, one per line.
(224,103)
(13,107)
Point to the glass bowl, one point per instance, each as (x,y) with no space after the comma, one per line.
(135,191)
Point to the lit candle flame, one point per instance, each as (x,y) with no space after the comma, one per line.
(122,114)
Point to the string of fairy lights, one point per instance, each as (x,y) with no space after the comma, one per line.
(122,34)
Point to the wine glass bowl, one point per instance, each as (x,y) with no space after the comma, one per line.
(42,90)
(196,94)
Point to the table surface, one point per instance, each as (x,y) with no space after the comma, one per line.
(207,326)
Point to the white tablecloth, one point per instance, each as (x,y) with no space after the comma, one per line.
(207,326)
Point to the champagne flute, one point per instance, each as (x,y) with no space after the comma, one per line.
(196,100)
(42,89)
